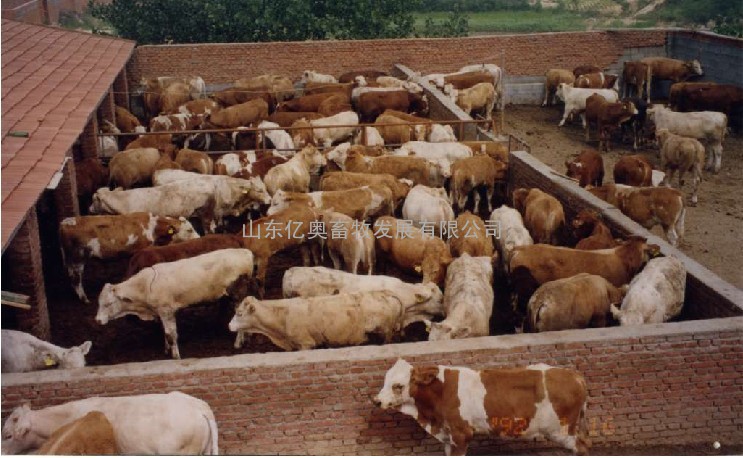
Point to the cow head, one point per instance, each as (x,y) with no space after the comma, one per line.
(251,195)
(314,158)
(395,394)
(71,358)
(661,136)
(111,303)
(244,314)
(436,260)
(584,223)
(574,169)
(694,67)
(166,230)
(445,331)
(278,202)
(519,199)
(18,432)
(562,89)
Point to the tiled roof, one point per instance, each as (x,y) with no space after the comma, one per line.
(52,80)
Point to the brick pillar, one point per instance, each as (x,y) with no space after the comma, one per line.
(65,196)
(121,90)
(106,109)
(89,139)
(25,275)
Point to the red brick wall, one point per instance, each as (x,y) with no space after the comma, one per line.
(531,54)
(23,274)
(678,383)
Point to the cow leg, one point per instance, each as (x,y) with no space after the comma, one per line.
(569,442)
(583,119)
(171,334)
(697,172)
(462,199)
(75,271)
(476,192)
(335,258)
(681,178)
(239,340)
(680,224)
(717,150)
(260,277)
(546,95)
(490,191)
(671,234)
(564,117)
(305,255)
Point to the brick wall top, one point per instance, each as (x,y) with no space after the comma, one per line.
(530,54)
(367,353)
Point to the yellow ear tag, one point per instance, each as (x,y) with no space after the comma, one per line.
(49,361)
(171,231)
(428,327)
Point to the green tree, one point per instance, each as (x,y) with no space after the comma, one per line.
(204,21)
(456,24)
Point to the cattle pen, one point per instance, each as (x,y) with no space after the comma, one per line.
(674,383)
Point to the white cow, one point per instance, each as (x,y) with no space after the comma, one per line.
(326,134)
(238,162)
(186,194)
(280,138)
(575,99)
(311,76)
(468,299)
(511,233)
(148,424)
(391,81)
(655,295)
(163,289)
(372,137)
(357,91)
(294,174)
(441,154)
(424,205)
(441,134)
(420,300)
(709,126)
(23,352)
(302,323)
(348,241)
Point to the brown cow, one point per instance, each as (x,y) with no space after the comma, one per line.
(337,181)
(552,79)
(91,434)
(410,249)
(591,231)
(163,143)
(469,174)
(543,215)
(371,104)
(90,174)
(648,206)
(280,87)
(416,169)
(319,88)
(636,74)
(725,98)
(308,102)
(471,237)
(237,96)
(454,403)
(469,79)
(633,170)
(535,265)
(263,239)
(682,154)
(195,161)
(663,68)
(575,302)
(334,105)
(587,167)
(239,115)
(287,118)
(173,96)
(608,116)
(149,256)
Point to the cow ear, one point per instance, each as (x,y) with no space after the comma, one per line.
(85,347)
(251,308)
(418,269)
(420,297)
(424,375)
(460,333)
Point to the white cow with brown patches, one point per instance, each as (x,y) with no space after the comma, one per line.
(454,403)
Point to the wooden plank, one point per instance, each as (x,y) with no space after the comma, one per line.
(14,297)
(16,304)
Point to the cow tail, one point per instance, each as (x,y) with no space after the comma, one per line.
(583,431)
(680,222)
(213,445)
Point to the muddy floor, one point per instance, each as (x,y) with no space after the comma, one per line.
(714,228)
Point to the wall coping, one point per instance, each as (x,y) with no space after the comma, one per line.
(373,352)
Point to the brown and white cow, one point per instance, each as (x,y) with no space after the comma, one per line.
(294,174)
(92,434)
(338,181)
(416,169)
(287,118)
(107,237)
(576,302)
(585,69)
(587,167)
(648,206)
(454,403)
(591,231)
(543,215)
(308,102)
(194,161)
(366,202)
(240,115)
(596,80)
(633,170)
(369,74)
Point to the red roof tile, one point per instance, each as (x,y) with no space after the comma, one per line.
(52,81)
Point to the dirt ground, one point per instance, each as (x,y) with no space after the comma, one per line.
(714,229)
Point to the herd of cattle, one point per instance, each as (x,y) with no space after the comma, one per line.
(399,191)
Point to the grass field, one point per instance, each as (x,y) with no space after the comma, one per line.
(545,20)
